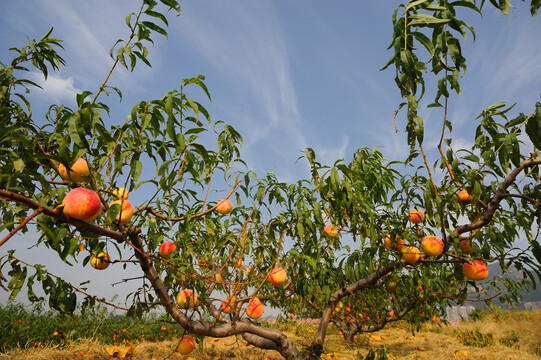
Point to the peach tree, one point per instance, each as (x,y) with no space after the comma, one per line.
(343,238)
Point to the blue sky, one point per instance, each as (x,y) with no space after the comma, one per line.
(286,74)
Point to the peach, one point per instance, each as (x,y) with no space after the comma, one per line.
(278,276)
(187,299)
(79,171)
(166,249)
(228,305)
(255,309)
(125,213)
(475,271)
(432,245)
(120,193)
(466,246)
(417,216)
(219,279)
(82,204)
(464,197)
(392,282)
(224,206)
(186,345)
(397,244)
(101,261)
(331,231)
(410,254)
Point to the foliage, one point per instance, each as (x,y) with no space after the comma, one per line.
(184,162)
(380,354)
(476,338)
(23,328)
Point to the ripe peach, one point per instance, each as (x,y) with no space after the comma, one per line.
(187,299)
(228,305)
(224,206)
(166,249)
(219,278)
(397,244)
(120,193)
(255,309)
(432,245)
(82,204)
(475,271)
(79,171)
(464,197)
(186,345)
(466,246)
(410,254)
(392,282)
(417,216)
(331,231)
(278,276)
(125,213)
(101,261)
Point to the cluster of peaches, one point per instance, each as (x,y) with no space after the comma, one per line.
(85,205)
(433,246)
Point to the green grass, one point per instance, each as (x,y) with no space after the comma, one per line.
(23,327)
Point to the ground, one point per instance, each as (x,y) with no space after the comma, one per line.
(514,335)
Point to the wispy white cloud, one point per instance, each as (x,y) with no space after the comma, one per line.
(252,56)
(55,88)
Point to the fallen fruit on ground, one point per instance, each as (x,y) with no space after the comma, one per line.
(331,231)
(255,309)
(187,299)
(100,261)
(186,345)
(464,197)
(224,206)
(475,271)
(432,245)
(417,216)
(82,204)
(410,254)
(125,213)
(166,249)
(278,276)
(79,171)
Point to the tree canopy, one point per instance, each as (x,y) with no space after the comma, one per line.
(355,252)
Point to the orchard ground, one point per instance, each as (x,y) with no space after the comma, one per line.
(493,335)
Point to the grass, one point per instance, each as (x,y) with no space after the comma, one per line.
(29,334)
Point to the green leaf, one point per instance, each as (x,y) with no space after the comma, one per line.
(533,129)
(415,3)
(536,250)
(425,41)
(17,283)
(536,4)
(18,165)
(75,132)
(423,19)
(467,4)
(155,27)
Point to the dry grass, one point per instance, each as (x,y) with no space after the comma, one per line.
(431,343)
